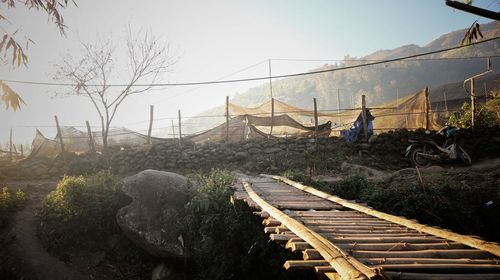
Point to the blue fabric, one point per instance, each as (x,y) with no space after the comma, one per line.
(352,134)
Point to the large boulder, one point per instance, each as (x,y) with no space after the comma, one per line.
(150,220)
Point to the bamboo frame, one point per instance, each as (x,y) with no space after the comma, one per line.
(490,247)
(346,266)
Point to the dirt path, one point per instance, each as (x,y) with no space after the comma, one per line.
(30,258)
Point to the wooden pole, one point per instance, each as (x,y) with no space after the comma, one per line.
(338,105)
(426,108)
(227,119)
(10,145)
(91,138)
(173,129)
(270,80)
(272,117)
(472,103)
(22,151)
(151,112)
(315,117)
(406,117)
(180,126)
(59,133)
(364,116)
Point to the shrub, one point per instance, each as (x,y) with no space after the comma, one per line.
(224,240)
(82,211)
(9,202)
(463,118)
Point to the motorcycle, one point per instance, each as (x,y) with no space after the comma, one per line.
(438,147)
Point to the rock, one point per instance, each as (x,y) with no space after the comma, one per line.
(150,220)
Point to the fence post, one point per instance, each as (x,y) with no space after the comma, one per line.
(272,117)
(60,137)
(426,108)
(472,103)
(363,115)
(180,126)
(151,111)
(315,117)
(91,138)
(338,105)
(227,119)
(22,151)
(10,146)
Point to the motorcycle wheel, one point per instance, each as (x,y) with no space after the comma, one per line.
(417,160)
(464,157)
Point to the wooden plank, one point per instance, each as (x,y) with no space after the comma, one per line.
(297,246)
(412,239)
(280,238)
(445,254)
(304,264)
(401,246)
(448,267)
(440,276)
(377,261)
(324,269)
(346,267)
(491,247)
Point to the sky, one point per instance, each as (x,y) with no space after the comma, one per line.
(213,40)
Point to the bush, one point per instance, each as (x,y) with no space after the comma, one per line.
(9,202)
(224,240)
(82,211)
(463,119)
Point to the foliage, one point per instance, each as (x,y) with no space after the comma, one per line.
(463,118)
(9,202)
(224,240)
(82,210)
(9,97)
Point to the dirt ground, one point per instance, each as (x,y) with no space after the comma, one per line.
(22,255)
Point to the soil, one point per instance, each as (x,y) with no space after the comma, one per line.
(22,255)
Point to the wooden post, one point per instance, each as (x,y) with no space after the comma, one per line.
(272,117)
(180,126)
(406,117)
(10,145)
(426,108)
(315,117)
(338,105)
(91,138)
(270,80)
(60,137)
(151,111)
(22,151)
(472,103)
(364,116)
(173,129)
(227,119)
(446,104)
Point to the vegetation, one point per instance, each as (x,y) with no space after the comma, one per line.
(9,202)
(80,217)
(224,240)
(485,117)
(8,41)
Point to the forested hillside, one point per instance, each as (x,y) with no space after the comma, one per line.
(380,83)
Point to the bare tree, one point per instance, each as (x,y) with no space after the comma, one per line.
(147,60)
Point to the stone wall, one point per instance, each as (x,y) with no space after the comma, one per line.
(322,155)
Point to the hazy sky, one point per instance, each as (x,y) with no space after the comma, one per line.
(213,39)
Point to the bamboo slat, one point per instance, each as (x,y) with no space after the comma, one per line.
(439,276)
(304,264)
(346,267)
(491,247)
(444,254)
(377,261)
